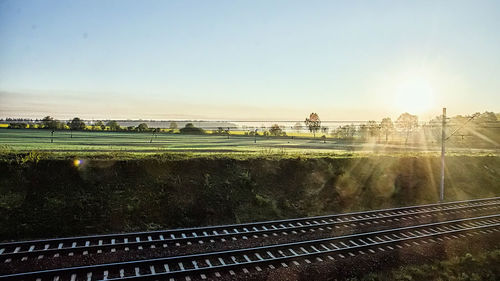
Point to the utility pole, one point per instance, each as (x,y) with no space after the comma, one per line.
(443,140)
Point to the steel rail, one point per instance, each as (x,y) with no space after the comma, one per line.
(190,229)
(165,243)
(222,261)
(17,252)
(282,261)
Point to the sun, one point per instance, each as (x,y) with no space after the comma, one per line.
(414,95)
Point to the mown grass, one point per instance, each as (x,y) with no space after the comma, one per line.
(127,145)
(26,140)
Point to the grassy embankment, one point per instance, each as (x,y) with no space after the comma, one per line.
(45,197)
(468,267)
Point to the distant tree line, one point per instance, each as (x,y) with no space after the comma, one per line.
(484,127)
(77,124)
(466,129)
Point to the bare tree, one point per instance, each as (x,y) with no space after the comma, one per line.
(373,129)
(363,131)
(387,127)
(407,123)
(345,132)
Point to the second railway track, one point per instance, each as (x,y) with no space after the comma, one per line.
(256,259)
(333,224)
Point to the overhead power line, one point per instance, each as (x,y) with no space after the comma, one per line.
(470,119)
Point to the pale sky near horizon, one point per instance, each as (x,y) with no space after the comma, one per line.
(248,60)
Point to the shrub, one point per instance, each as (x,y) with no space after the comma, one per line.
(192,130)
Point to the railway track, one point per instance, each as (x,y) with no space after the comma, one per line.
(256,259)
(333,224)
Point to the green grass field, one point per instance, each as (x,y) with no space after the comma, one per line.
(28,140)
(24,140)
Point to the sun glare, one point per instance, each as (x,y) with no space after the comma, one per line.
(414,95)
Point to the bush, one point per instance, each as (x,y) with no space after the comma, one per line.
(18,126)
(192,130)
(275,130)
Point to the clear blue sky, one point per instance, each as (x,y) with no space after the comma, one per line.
(247,59)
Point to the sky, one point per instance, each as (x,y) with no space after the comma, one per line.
(248,60)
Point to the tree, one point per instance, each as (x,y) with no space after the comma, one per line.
(173,125)
(51,123)
(407,123)
(373,129)
(155,131)
(363,131)
(76,124)
(275,130)
(346,132)
(100,124)
(387,127)
(46,121)
(142,127)
(113,125)
(191,129)
(313,123)
(486,118)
